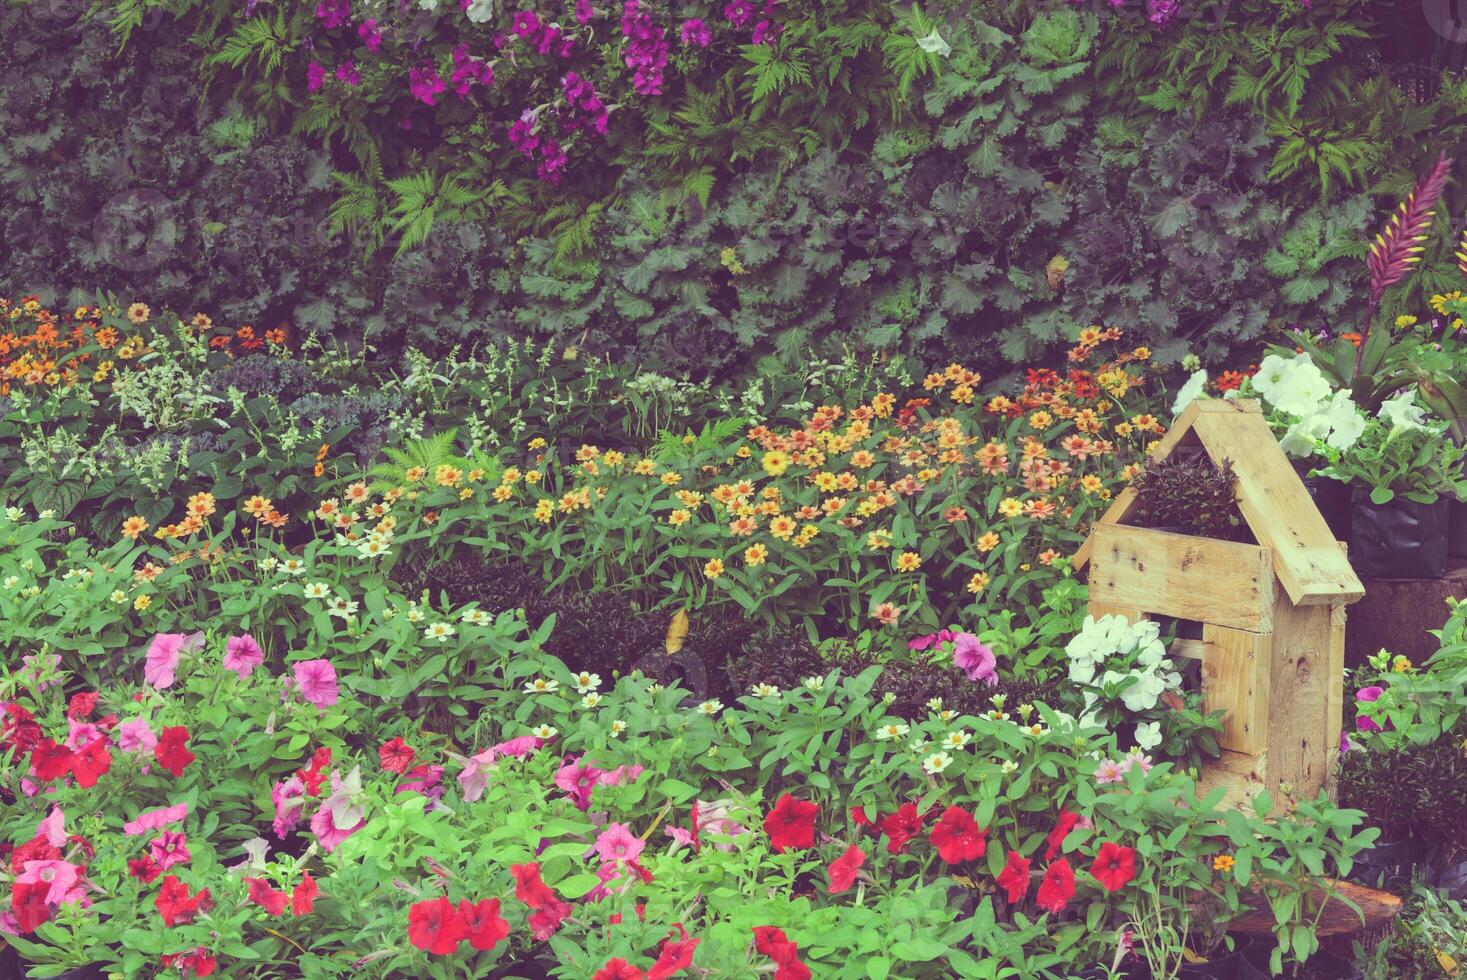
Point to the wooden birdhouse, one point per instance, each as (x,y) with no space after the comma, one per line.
(1272,612)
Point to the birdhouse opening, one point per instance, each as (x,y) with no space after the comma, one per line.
(1187,492)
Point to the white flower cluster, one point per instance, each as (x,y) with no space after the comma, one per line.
(1295,386)
(1101,641)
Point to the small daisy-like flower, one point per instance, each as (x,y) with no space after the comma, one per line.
(343,608)
(293,566)
(935,704)
(617,727)
(712,707)
(957,740)
(814,683)
(1009,765)
(947,714)
(544,731)
(886,733)
(1036,730)
(477,617)
(316,590)
(936,763)
(117,596)
(997,715)
(416,615)
(655,688)
(587,681)
(438,631)
(765,691)
(590,700)
(1110,771)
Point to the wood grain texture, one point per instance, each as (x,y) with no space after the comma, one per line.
(1185,576)
(1236,678)
(1299,723)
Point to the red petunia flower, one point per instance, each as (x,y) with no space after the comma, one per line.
(528,887)
(773,943)
(303,896)
(396,755)
(436,927)
(38,848)
(49,760)
(675,956)
(1114,867)
(791,824)
(172,750)
(843,870)
(901,827)
(176,905)
(1014,878)
(1056,837)
(195,962)
(486,926)
(859,818)
(957,836)
(28,902)
(91,763)
(315,773)
(144,869)
(267,896)
(1058,886)
(618,969)
(81,705)
(547,918)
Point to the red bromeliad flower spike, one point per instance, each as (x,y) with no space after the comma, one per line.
(1399,245)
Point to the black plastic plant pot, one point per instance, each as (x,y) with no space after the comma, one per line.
(1457,533)
(1393,858)
(1222,966)
(1399,539)
(1332,499)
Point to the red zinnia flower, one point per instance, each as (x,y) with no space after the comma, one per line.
(49,760)
(91,763)
(303,896)
(1014,878)
(791,824)
(396,755)
(172,750)
(901,827)
(1114,866)
(1058,886)
(617,969)
(1056,837)
(843,870)
(436,927)
(528,887)
(265,895)
(486,926)
(957,836)
(176,905)
(676,955)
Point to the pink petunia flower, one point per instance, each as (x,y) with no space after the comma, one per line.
(242,655)
(618,843)
(169,848)
(64,878)
(155,819)
(975,658)
(316,681)
(136,736)
(475,776)
(163,656)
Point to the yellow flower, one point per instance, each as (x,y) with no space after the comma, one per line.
(908,561)
(883,405)
(1405,320)
(671,479)
(755,554)
(713,568)
(782,527)
(877,540)
(1041,420)
(138,313)
(1401,665)
(201,504)
(644,467)
(678,518)
(1223,862)
(776,462)
(544,510)
(537,443)
(465,493)
(142,602)
(447,476)
(1010,507)
(134,526)
(978,582)
(415,473)
(988,542)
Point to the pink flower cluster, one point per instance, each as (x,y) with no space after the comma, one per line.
(646,49)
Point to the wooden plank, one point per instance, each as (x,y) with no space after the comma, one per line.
(1342,904)
(1335,705)
(1301,678)
(1129,613)
(1189,577)
(1278,509)
(1236,679)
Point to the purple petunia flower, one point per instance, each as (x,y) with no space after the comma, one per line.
(425,84)
(696,33)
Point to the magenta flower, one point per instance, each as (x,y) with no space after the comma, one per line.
(341,814)
(316,681)
(1368,695)
(526,24)
(242,655)
(136,736)
(738,13)
(82,733)
(476,767)
(169,849)
(333,13)
(371,37)
(584,11)
(425,84)
(696,33)
(931,640)
(315,76)
(766,31)
(330,836)
(975,658)
(347,72)
(155,819)
(289,796)
(618,843)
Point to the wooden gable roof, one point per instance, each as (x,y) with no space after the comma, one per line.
(1310,564)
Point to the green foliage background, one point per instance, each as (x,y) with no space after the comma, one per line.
(1059,166)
